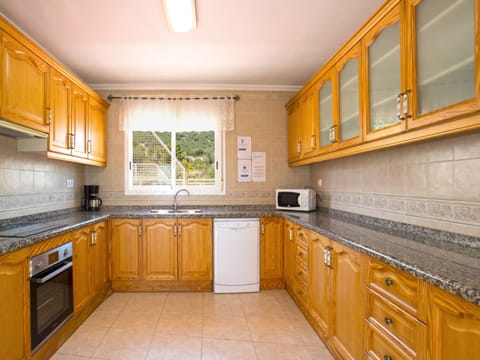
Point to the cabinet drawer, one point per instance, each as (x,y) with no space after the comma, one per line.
(301,256)
(302,238)
(397,286)
(302,276)
(380,347)
(396,322)
(301,292)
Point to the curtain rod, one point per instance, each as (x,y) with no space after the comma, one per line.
(234,97)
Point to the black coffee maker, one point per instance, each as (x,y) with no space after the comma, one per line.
(91,200)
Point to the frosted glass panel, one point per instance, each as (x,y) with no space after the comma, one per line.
(445,53)
(384,77)
(349,110)
(325,113)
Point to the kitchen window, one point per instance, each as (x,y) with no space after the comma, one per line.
(175,145)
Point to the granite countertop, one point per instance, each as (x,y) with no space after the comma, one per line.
(447,260)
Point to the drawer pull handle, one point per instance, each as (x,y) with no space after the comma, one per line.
(387,357)
(300,292)
(388,282)
(300,273)
(388,321)
(300,254)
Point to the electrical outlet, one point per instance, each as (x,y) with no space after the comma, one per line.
(69,183)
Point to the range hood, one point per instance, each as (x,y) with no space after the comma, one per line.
(18,131)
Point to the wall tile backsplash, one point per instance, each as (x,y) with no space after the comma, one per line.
(30,183)
(433,184)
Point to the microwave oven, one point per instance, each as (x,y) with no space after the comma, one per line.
(296,199)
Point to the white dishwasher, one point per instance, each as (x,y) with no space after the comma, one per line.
(236,249)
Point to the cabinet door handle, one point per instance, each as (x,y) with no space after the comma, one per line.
(405,105)
(262,229)
(290,234)
(49,116)
(73,140)
(299,147)
(388,320)
(388,282)
(89,146)
(175,230)
(179,230)
(139,229)
(332,132)
(313,142)
(387,357)
(92,238)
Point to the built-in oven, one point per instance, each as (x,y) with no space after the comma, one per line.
(51,292)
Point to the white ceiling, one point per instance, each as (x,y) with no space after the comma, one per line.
(263,44)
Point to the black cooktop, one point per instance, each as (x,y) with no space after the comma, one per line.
(29,230)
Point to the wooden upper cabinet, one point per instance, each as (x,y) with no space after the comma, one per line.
(60,139)
(23,85)
(294,128)
(79,121)
(309,123)
(271,248)
(160,249)
(15,305)
(384,80)
(126,249)
(97,131)
(194,249)
(454,326)
(347,89)
(327,115)
(444,59)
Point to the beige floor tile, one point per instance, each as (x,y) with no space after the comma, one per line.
(222,304)
(226,327)
(227,350)
(268,351)
(320,352)
(128,319)
(180,302)
(121,344)
(58,356)
(167,347)
(102,318)
(147,302)
(85,341)
(180,323)
(271,329)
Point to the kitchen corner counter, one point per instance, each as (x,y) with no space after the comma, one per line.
(447,260)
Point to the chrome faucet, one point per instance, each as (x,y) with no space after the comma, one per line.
(175,197)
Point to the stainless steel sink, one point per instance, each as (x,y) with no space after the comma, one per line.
(173,212)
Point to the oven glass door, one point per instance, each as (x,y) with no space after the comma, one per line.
(51,301)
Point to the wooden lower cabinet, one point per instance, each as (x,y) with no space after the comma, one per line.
(15,305)
(454,327)
(160,250)
(90,275)
(271,253)
(161,254)
(126,249)
(320,279)
(194,239)
(347,301)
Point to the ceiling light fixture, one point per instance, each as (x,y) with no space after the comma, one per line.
(180,14)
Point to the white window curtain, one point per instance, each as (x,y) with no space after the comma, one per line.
(174,114)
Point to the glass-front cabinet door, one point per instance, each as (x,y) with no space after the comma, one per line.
(383,95)
(349,114)
(327,126)
(445,77)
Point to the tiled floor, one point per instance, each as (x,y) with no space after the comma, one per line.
(134,326)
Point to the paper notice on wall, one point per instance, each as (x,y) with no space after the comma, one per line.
(244,170)
(244,147)
(259,166)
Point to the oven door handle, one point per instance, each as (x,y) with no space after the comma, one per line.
(52,274)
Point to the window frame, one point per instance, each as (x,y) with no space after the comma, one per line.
(217,189)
